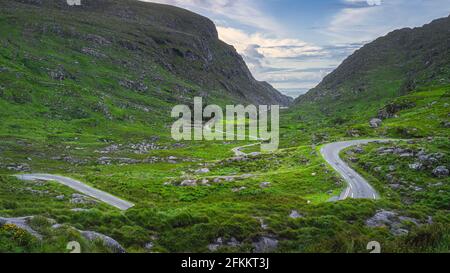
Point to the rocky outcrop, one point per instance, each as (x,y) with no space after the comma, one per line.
(391,110)
(22,223)
(397,224)
(107,241)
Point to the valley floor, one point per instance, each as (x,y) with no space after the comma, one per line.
(209,197)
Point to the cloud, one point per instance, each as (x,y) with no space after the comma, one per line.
(243,12)
(270,47)
(287,63)
(367,20)
(363,2)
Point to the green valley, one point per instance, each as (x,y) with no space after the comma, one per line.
(86,92)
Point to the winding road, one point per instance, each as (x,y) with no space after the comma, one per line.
(358,187)
(82,188)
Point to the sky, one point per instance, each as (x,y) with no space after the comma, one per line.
(293,44)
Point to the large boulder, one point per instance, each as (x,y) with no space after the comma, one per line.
(375,123)
(441,171)
(265,245)
(22,223)
(108,242)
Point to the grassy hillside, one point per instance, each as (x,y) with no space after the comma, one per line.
(111,67)
(405,60)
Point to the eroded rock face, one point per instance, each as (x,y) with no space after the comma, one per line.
(391,110)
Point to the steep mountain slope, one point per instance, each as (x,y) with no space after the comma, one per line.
(161,53)
(391,66)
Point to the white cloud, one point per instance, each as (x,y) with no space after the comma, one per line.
(245,12)
(287,63)
(377,18)
(269,47)
(368,2)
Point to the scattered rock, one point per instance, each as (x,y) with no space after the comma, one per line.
(353,159)
(391,220)
(390,178)
(375,123)
(385,150)
(441,171)
(36,192)
(92,52)
(220,242)
(132,85)
(82,199)
(395,186)
(416,166)
(238,189)
(265,185)
(59,74)
(265,245)
(110,149)
(122,161)
(428,159)
(262,223)
(97,39)
(446,124)
(60,197)
(149,246)
(19,167)
(295,215)
(202,171)
(188,183)
(79,210)
(107,241)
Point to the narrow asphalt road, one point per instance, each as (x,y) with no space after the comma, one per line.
(358,187)
(80,187)
(238,150)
